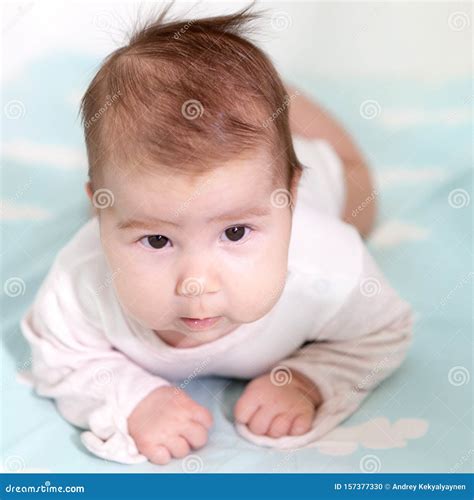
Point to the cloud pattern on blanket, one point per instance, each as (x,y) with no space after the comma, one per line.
(377,433)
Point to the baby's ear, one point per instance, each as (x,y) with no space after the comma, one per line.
(92,208)
(89,192)
(294,184)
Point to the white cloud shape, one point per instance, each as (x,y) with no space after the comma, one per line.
(33,153)
(396,118)
(376,434)
(399,176)
(14,211)
(396,232)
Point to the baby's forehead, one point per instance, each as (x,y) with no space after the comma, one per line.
(230,187)
(248,173)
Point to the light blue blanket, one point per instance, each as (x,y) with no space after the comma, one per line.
(417,138)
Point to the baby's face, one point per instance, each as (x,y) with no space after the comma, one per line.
(215,246)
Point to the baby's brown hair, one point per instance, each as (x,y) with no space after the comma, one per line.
(188,95)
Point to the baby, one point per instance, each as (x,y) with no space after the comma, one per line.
(226,240)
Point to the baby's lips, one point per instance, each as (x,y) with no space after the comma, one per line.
(201,324)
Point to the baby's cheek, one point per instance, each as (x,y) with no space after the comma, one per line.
(144,299)
(270,276)
(255,292)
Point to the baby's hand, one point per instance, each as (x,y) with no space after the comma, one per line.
(167,423)
(267,407)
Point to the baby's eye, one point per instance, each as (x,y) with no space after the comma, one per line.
(236,233)
(155,241)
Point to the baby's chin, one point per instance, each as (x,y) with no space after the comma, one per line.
(185,339)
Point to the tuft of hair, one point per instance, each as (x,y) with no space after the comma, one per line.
(188,95)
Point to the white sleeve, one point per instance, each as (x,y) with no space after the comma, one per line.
(363,343)
(95,386)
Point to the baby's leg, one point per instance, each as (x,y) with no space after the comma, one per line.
(309,120)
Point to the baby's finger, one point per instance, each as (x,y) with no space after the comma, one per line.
(301,424)
(202,416)
(280,425)
(245,408)
(159,455)
(178,446)
(260,422)
(195,434)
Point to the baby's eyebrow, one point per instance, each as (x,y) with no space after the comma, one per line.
(145,222)
(259,211)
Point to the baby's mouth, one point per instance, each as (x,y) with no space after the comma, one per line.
(200,324)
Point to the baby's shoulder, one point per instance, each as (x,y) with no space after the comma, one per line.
(321,244)
(79,269)
(84,245)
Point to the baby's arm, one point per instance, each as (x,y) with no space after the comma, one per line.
(361,346)
(97,388)
(310,120)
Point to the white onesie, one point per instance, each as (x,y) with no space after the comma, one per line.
(98,364)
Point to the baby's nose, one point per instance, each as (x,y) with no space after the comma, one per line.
(196,286)
(191,287)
